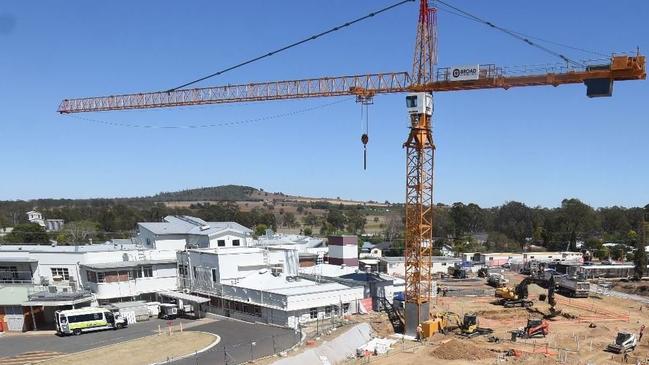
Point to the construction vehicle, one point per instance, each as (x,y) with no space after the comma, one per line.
(624,342)
(534,328)
(444,322)
(497,280)
(573,287)
(458,272)
(419,146)
(515,297)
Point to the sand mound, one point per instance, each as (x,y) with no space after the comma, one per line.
(457,350)
(504,313)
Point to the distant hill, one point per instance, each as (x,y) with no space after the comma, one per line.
(215,193)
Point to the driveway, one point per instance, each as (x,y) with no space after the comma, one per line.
(12,345)
(239,341)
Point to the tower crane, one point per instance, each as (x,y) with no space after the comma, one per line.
(420,85)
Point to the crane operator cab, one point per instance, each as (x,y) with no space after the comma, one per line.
(419,103)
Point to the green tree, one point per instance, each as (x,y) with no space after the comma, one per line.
(27,233)
(356,221)
(308,231)
(289,220)
(337,219)
(514,219)
(640,254)
(310,219)
(260,230)
(78,232)
(578,219)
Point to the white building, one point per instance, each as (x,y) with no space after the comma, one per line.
(180,232)
(262,284)
(52,225)
(553,256)
(36,217)
(396,266)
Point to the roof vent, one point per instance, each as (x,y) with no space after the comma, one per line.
(205,227)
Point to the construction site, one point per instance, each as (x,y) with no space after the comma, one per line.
(332,304)
(466,327)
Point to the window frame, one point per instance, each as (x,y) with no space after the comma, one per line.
(63,272)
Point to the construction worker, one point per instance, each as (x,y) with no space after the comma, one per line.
(641,333)
(420,332)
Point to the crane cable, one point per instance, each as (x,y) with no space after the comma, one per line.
(516,35)
(295,44)
(563,45)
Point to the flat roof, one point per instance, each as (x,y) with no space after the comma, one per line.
(184,296)
(279,285)
(17,259)
(226,250)
(100,247)
(126,264)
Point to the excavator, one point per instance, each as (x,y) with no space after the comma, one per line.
(467,326)
(514,297)
(534,328)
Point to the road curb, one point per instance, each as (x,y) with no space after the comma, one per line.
(218,339)
(216,342)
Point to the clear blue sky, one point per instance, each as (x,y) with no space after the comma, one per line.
(536,145)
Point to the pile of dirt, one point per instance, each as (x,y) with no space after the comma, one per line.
(458,350)
(504,313)
(380,323)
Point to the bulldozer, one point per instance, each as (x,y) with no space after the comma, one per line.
(534,328)
(515,297)
(444,322)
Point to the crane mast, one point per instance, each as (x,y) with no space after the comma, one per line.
(419,146)
(420,153)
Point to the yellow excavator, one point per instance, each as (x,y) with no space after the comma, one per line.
(444,322)
(514,297)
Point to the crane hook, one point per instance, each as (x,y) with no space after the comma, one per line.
(365,139)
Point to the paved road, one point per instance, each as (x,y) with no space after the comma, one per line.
(241,342)
(236,339)
(12,345)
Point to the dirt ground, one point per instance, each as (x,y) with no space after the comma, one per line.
(632,287)
(578,336)
(142,351)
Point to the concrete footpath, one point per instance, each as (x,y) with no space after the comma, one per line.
(334,351)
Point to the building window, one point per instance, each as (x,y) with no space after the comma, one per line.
(101,277)
(61,272)
(147,271)
(91,276)
(313,313)
(148,241)
(236,243)
(137,273)
(195,273)
(131,276)
(214,275)
(220,243)
(182,270)
(328,311)
(345,308)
